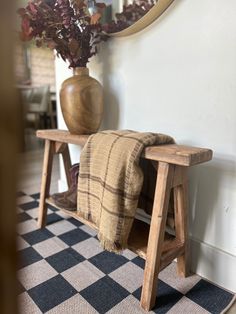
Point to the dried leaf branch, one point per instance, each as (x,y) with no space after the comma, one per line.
(63,25)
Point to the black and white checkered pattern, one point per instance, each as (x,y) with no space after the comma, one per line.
(62,269)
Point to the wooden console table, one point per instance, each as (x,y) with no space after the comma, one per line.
(151,242)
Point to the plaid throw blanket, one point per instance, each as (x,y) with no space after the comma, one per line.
(110,182)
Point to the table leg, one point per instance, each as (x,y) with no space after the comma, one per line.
(156,234)
(46,180)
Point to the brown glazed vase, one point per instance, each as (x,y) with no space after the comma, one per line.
(81,98)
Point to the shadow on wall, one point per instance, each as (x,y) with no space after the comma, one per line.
(207,210)
(111,87)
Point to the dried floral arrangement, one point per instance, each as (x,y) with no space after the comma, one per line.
(131,13)
(64,25)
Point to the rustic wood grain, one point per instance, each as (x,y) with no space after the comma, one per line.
(62,136)
(150,242)
(138,239)
(181,226)
(73,214)
(170,153)
(46,180)
(59,147)
(156,235)
(81,99)
(178,154)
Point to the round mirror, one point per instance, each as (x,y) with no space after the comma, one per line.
(126,17)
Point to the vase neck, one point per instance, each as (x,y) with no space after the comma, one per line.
(81,71)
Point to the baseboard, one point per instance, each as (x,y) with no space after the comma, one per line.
(213,264)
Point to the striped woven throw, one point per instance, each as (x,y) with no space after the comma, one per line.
(110,182)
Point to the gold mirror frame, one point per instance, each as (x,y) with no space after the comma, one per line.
(146,20)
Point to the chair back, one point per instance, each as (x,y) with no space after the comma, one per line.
(39,98)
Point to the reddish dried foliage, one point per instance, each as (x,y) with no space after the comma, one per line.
(67,27)
(63,25)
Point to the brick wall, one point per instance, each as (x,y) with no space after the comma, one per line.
(21,72)
(42,67)
(41,63)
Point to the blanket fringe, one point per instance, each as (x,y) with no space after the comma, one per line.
(105,243)
(111,246)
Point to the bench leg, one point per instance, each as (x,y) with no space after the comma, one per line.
(156,234)
(181,226)
(67,164)
(46,180)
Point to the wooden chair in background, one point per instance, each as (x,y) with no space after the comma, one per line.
(38,107)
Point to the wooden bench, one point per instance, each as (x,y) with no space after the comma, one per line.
(151,242)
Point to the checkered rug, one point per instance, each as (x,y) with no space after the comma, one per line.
(63,269)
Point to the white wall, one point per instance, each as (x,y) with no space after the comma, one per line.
(178,76)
